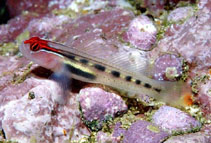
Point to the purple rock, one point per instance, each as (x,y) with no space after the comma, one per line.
(109,23)
(144,132)
(118,130)
(156,7)
(204,98)
(167,67)
(141,33)
(173,120)
(27,117)
(107,138)
(33,112)
(190,138)
(42,25)
(190,40)
(9,31)
(97,104)
(17,7)
(180,14)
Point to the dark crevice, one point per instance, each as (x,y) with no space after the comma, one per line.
(4,13)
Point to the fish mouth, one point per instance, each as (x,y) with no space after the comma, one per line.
(25,50)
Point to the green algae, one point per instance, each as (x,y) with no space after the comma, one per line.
(196,112)
(127,119)
(85,139)
(197,80)
(153,128)
(33,139)
(181,132)
(96,125)
(74,10)
(17,79)
(11,48)
(185,70)
(7,141)
(8,49)
(21,37)
(66,12)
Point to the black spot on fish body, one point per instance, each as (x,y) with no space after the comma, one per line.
(138,81)
(99,67)
(128,78)
(157,89)
(147,85)
(80,72)
(115,73)
(84,61)
(70,57)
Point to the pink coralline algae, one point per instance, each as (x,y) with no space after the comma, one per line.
(109,24)
(144,132)
(180,14)
(194,48)
(118,130)
(35,110)
(156,7)
(36,115)
(167,67)
(9,31)
(141,33)
(173,120)
(104,138)
(97,104)
(205,98)
(17,7)
(191,41)
(190,138)
(46,26)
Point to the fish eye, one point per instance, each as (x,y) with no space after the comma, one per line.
(34,47)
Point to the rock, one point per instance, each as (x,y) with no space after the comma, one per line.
(30,119)
(190,138)
(174,120)
(167,67)
(190,40)
(36,115)
(118,130)
(9,31)
(39,6)
(104,138)
(144,132)
(141,33)
(204,98)
(194,48)
(42,25)
(110,24)
(180,13)
(67,123)
(156,8)
(98,105)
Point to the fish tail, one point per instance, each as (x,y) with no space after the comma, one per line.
(177,94)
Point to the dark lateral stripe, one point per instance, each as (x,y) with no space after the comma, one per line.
(69,56)
(157,89)
(79,72)
(128,78)
(115,73)
(99,67)
(138,81)
(147,85)
(84,61)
